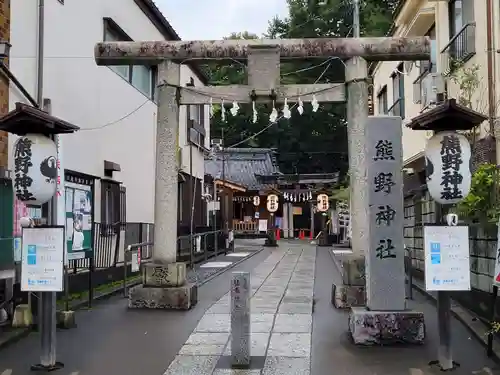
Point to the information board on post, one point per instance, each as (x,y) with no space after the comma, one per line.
(42,260)
(447,266)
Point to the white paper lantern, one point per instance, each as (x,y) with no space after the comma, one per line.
(322,201)
(272,203)
(256,200)
(448,156)
(35,169)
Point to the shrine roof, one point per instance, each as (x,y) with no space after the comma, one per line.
(243,166)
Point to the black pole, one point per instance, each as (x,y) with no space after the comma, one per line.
(445,357)
(494,293)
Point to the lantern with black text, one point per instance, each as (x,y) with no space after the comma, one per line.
(448,157)
(323,204)
(256,200)
(35,169)
(272,203)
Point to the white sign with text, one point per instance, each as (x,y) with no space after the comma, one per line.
(42,263)
(447,264)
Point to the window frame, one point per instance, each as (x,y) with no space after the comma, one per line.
(111,28)
(195,124)
(382,98)
(399,83)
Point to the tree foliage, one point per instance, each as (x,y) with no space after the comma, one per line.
(314,142)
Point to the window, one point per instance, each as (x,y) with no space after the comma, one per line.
(382,101)
(143,78)
(111,199)
(195,115)
(398,93)
(455,16)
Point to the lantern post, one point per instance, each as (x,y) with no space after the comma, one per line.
(322,206)
(446,244)
(35,183)
(272,206)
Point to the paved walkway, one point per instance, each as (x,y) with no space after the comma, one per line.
(295,331)
(281,321)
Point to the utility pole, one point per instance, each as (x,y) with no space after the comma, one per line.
(263,59)
(355,20)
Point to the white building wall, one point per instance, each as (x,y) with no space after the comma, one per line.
(91,97)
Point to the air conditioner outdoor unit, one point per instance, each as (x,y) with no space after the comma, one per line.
(432,85)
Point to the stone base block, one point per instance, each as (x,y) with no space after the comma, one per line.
(66,319)
(177,298)
(271,243)
(347,296)
(164,275)
(22,316)
(386,327)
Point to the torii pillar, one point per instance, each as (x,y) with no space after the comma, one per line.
(165,277)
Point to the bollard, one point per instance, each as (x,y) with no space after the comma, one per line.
(240,320)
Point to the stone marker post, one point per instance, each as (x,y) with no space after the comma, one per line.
(164,280)
(385,274)
(385,312)
(240,320)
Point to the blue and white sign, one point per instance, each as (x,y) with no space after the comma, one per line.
(447,264)
(42,259)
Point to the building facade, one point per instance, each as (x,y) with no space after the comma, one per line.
(462,31)
(115,107)
(465,66)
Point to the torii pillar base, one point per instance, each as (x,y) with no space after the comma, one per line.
(164,287)
(386,327)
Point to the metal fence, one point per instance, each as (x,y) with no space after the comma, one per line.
(201,246)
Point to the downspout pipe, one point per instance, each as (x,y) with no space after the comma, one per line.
(490,68)
(40,53)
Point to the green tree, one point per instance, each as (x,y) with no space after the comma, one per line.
(313,142)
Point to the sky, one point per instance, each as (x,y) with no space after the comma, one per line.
(215,19)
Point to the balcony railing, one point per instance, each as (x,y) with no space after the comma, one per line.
(461,47)
(397,109)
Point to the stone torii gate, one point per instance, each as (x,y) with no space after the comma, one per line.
(164,284)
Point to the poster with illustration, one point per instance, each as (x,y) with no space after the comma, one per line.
(78,220)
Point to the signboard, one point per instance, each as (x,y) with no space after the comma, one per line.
(135,260)
(42,260)
(447,264)
(385,272)
(78,219)
(447,157)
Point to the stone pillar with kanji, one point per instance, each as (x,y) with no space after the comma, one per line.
(385,310)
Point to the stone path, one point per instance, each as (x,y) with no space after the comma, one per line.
(242,250)
(281,321)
